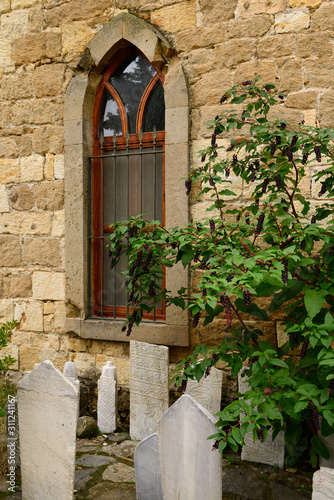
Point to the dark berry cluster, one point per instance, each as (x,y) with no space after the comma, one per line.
(213,140)
(322,190)
(303,349)
(259,225)
(196,256)
(247,218)
(303,244)
(203,158)
(196,320)
(278,182)
(234,160)
(285,273)
(207,371)
(211,182)
(246,83)
(305,157)
(257,165)
(223,98)
(313,219)
(272,148)
(290,154)
(187,183)
(265,185)
(183,386)
(294,140)
(247,297)
(317,153)
(260,435)
(228,309)
(331,386)
(204,263)
(215,446)
(212,226)
(278,140)
(227,172)
(315,419)
(151,290)
(204,292)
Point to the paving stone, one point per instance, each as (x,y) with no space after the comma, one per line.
(119,473)
(106,491)
(81,477)
(125,449)
(94,460)
(118,438)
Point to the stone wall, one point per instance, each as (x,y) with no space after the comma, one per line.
(219,42)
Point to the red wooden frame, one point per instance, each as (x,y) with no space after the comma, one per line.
(121,144)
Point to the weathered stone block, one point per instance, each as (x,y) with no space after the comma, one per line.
(28,357)
(73,344)
(48,139)
(31,168)
(213,14)
(21,197)
(58,167)
(5,113)
(317,44)
(41,251)
(8,148)
(276,46)
(323,18)
(10,251)
(9,171)
(291,22)
(6,62)
(23,4)
(86,365)
(249,9)
(176,17)
(17,286)
(48,285)
(50,195)
(4,6)
(16,223)
(75,37)
(14,24)
(199,61)
(290,74)
(233,52)
(74,11)
(6,310)
(211,87)
(48,79)
(58,224)
(30,314)
(319,72)
(37,111)
(196,38)
(302,100)
(255,27)
(248,70)
(24,145)
(4,205)
(36,47)
(45,341)
(17,87)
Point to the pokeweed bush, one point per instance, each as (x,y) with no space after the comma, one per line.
(5,331)
(277,249)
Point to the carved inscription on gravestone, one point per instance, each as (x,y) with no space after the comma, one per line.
(269,452)
(207,391)
(149,392)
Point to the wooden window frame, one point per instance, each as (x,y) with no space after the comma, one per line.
(123,142)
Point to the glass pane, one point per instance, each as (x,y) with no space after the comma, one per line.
(130,80)
(109,119)
(154,114)
(152,185)
(113,290)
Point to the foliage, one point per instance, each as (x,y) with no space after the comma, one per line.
(5,331)
(276,249)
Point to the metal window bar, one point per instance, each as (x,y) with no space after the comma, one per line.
(116,154)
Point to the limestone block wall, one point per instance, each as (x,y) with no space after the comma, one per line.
(219,42)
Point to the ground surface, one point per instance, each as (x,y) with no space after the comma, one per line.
(105,471)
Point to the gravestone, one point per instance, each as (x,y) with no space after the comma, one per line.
(149,391)
(107,399)
(269,452)
(70,371)
(147,469)
(48,406)
(190,468)
(323,484)
(208,391)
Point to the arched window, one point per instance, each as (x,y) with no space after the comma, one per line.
(127,168)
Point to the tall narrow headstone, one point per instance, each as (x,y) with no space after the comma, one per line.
(70,371)
(149,390)
(147,469)
(48,406)
(190,468)
(208,391)
(323,484)
(269,452)
(107,399)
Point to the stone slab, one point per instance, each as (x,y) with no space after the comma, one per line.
(48,406)
(323,484)
(82,477)
(207,391)
(119,473)
(149,389)
(147,468)
(190,469)
(94,460)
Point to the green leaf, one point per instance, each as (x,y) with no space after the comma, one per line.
(187,257)
(329,416)
(278,362)
(300,406)
(252,309)
(314,300)
(319,447)
(285,295)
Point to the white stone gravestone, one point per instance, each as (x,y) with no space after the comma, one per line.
(48,406)
(70,371)
(269,452)
(149,390)
(208,391)
(190,468)
(107,399)
(323,484)
(147,469)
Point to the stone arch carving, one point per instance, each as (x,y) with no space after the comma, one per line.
(78,115)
